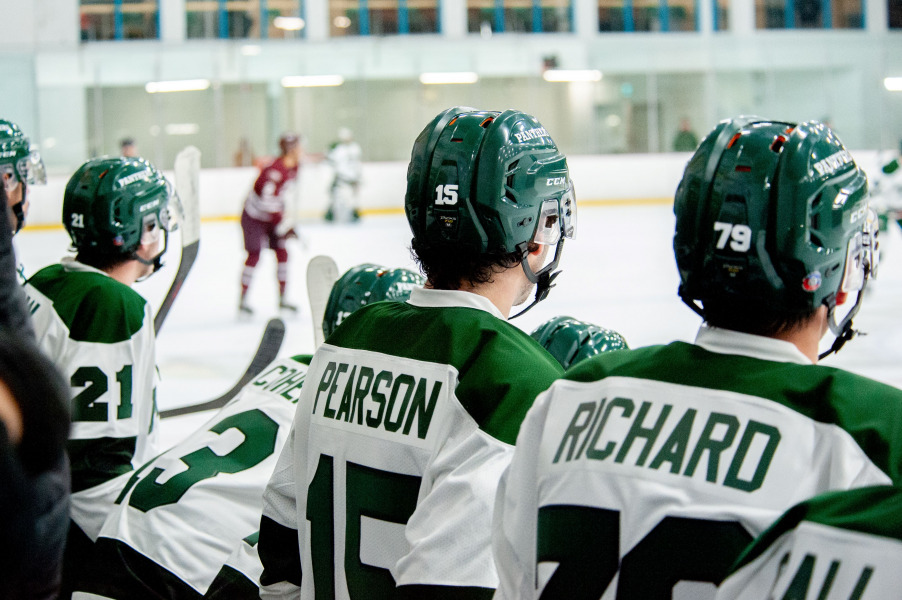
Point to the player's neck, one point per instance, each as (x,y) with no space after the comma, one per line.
(503,290)
(807,337)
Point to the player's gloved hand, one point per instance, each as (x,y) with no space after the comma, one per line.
(43,398)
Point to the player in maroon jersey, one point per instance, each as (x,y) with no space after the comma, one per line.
(263,214)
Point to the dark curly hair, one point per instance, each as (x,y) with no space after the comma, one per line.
(751,317)
(448,267)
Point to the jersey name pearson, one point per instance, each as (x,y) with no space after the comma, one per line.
(359,395)
(660,437)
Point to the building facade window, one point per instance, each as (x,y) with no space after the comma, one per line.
(119,19)
(383,17)
(810,14)
(241,19)
(648,15)
(519,16)
(894,12)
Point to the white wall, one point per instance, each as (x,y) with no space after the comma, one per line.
(596,179)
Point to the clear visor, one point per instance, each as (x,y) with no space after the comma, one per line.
(10,181)
(862,255)
(557,218)
(31,169)
(152,227)
(175,212)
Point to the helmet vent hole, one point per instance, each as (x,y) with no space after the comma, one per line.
(777,145)
(743,168)
(457,140)
(487,122)
(733,139)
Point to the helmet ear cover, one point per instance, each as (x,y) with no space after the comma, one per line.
(365,284)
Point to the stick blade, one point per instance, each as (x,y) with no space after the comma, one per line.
(187,184)
(267,351)
(322,273)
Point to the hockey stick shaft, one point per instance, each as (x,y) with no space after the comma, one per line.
(322,273)
(187,179)
(267,351)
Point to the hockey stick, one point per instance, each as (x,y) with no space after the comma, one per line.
(267,351)
(322,273)
(187,176)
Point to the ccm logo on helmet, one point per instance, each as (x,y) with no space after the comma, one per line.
(556,181)
(531,134)
(833,162)
(7,154)
(149,205)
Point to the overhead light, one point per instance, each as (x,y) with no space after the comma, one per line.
(459,77)
(184,85)
(288,23)
(290,81)
(893,84)
(251,50)
(565,75)
(182,128)
(342,22)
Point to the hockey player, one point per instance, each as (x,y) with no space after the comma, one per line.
(99,331)
(408,421)
(179,516)
(33,497)
(20,166)
(263,215)
(571,341)
(836,546)
(344,158)
(646,469)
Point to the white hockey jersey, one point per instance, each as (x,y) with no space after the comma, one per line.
(646,471)
(99,332)
(180,516)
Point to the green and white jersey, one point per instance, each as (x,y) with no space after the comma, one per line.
(400,439)
(646,469)
(837,546)
(239,577)
(180,516)
(100,334)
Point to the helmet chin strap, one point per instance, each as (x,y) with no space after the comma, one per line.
(543,279)
(19,211)
(843,331)
(157,261)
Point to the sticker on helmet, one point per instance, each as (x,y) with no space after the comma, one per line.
(531,134)
(832,163)
(812,281)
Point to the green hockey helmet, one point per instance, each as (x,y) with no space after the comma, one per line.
(19,164)
(17,158)
(490,182)
(569,340)
(776,214)
(365,284)
(112,205)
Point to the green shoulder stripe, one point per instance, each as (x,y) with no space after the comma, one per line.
(875,510)
(871,412)
(93,306)
(501,369)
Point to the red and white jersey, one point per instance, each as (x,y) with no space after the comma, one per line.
(266,201)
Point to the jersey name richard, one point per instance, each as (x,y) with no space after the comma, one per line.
(377,399)
(676,439)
